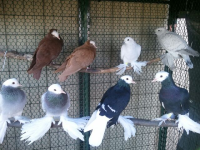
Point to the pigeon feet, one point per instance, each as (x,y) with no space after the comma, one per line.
(122,68)
(163,118)
(22,119)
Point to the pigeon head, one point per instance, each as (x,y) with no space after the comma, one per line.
(128,40)
(128,79)
(161,76)
(93,43)
(12,83)
(56,89)
(55,33)
(160,31)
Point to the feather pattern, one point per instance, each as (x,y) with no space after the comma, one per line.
(176,46)
(113,102)
(80,58)
(48,49)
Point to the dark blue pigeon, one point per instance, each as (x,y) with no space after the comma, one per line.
(114,101)
(175,101)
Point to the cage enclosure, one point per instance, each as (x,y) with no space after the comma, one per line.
(23,23)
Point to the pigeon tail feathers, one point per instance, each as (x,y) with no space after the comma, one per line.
(73,126)
(168,60)
(128,125)
(188,124)
(98,127)
(187,61)
(3,127)
(31,132)
(137,66)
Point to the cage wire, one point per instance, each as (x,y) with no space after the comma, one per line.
(24,23)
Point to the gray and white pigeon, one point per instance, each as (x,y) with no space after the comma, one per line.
(12,102)
(130,52)
(55,102)
(176,47)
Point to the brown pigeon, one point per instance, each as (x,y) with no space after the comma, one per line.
(48,49)
(80,58)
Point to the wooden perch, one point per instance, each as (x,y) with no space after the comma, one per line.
(137,122)
(28,57)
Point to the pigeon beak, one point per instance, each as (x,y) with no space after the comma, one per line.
(58,37)
(123,43)
(19,85)
(133,82)
(62,92)
(154,80)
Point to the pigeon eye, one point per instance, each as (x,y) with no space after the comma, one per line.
(128,40)
(126,78)
(54,89)
(158,30)
(13,83)
(161,76)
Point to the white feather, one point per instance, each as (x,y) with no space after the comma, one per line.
(137,66)
(92,118)
(128,125)
(73,127)
(98,127)
(121,70)
(188,124)
(3,127)
(36,129)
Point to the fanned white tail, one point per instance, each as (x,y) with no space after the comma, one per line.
(137,66)
(128,126)
(3,127)
(36,129)
(73,126)
(98,127)
(188,124)
(121,70)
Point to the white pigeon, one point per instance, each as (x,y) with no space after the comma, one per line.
(55,102)
(130,52)
(12,102)
(176,47)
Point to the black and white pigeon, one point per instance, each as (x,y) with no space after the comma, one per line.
(175,101)
(176,47)
(108,112)
(55,102)
(12,102)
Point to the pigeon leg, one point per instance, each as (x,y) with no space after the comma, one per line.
(122,68)
(163,118)
(22,119)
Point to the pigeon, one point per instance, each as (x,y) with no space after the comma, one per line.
(130,52)
(55,102)
(176,47)
(48,49)
(108,111)
(80,58)
(12,102)
(175,101)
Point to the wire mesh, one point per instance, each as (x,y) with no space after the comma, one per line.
(24,23)
(110,23)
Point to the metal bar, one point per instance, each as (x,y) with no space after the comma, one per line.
(84,79)
(137,122)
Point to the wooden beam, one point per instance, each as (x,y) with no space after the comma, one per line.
(28,57)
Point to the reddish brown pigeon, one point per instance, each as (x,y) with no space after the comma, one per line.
(48,49)
(80,58)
